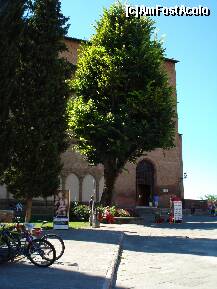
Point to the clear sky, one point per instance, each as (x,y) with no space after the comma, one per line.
(192,41)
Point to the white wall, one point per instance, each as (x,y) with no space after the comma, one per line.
(88,188)
(72,184)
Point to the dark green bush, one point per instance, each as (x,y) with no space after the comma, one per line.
(79,213)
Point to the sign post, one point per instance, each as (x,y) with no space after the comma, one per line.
(61,209)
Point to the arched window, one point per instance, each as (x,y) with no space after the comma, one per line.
(88,188)
(72,184)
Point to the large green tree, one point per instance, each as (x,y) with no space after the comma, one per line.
(122,104)
(39,116)
(11,30)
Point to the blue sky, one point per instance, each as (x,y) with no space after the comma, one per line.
(192,41)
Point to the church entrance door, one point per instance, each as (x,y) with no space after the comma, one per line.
(144,193)
(144,182)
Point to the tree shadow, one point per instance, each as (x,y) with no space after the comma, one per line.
(189,222)
(24,276)
(152,244)
(89,235)
(171,244)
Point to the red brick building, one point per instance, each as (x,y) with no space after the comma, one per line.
(160,171)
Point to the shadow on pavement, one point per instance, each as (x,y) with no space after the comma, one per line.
(153,244)
(171,244)
(90,235)
(25,276)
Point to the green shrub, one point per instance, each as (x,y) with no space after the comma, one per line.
(113,211)
(116,212)
(79,213)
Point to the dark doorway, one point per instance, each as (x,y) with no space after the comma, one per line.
(144,182)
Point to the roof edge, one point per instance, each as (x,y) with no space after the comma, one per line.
(82,40)
(75,39)
(171,60)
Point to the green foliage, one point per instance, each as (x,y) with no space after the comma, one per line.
(115,212)
(122,103)
(11,29)
(80,212)
(38,112)
(210,197)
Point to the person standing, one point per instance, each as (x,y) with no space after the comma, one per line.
(156,200)
(91,209)
(213,209)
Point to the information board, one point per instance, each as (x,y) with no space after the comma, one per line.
(61,209)
(177,210)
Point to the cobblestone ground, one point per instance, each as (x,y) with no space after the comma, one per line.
(163,256)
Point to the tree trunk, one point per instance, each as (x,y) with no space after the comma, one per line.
(110,175)
(28,209)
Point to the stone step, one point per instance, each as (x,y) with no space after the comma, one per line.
(149,212)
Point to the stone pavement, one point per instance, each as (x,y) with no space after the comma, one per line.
(87,263)
(154,256)
(163,256)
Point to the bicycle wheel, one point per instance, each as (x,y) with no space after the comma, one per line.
(5,250)
(15,243)
(57,242)
(41,253)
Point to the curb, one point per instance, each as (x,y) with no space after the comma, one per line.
(112,268)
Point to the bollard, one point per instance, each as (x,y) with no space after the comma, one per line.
(95,221)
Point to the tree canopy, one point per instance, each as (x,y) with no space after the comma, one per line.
(38,112)
(122,103)
(11,30)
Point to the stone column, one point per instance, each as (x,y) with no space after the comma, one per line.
(97,190)
(80,188)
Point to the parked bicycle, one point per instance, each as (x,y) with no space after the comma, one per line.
(15,243)
(54,239)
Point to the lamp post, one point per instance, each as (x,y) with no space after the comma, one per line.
(180,181)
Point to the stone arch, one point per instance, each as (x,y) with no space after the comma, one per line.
(101,186)
(88,188)
(72,184)
(145,175)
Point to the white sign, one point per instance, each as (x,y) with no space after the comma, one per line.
(60,223)
(177,210)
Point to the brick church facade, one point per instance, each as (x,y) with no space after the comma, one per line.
(159,171)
